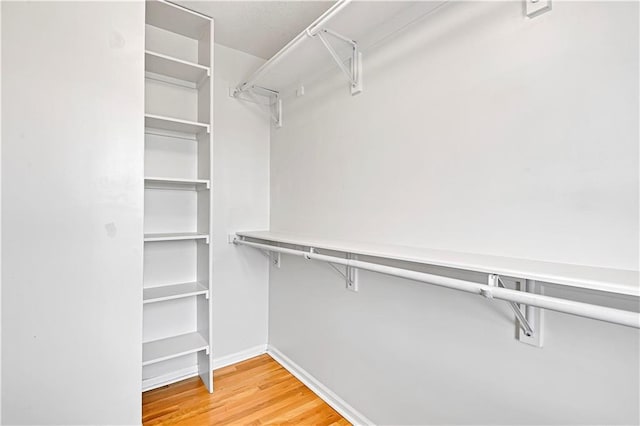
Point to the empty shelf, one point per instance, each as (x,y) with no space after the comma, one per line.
(304,59)
(172,347)
(176,19)
(176,68)
(174,291)
(610,280)
(176,183)
(177,236)
(174,124)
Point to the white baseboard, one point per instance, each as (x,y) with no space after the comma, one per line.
(337,403)
(172,377)
(223,361)
(187,373)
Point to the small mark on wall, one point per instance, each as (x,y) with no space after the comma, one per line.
(116,41)
(111,229)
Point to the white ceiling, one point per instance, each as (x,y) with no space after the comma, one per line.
(260,28)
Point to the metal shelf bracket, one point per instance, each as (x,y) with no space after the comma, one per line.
(354,72)
(533,8)
(528,318)
(274,103)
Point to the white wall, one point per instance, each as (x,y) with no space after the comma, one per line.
(241,201)
(0,214)
(72,200)
(478,131)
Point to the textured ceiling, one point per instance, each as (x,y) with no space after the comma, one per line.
(260,28)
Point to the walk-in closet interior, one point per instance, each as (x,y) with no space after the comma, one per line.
(320,212)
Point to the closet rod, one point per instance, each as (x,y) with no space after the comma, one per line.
(309,31)
(602,313)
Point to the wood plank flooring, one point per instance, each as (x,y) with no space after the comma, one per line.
(258,391)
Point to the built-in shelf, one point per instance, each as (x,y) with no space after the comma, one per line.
(170,17)
(176,183)
(172,347)
(152,121)
(305,59)
(162,64)
(178,81)
(174,291)
(619,281)
(176,236)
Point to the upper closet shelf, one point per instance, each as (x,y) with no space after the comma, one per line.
(619,281)
(176,236)
(333,42)
(176,183)
(165,65)
(176,19)
(174,124)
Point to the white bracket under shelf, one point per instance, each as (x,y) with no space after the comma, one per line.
(273,96)
(350,274)
(528,318)
(533,8)
(354,73)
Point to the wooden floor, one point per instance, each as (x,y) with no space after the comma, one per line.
(254,392)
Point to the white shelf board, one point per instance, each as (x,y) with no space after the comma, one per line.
(159,63)
(177,236)
(172,347)
(152,121)
(176,19)
(369,23)
(152,182)
(619,281)
(173,291)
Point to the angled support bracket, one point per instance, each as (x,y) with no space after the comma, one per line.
(528,318)
(354,71)
(350,274)
(275,258)
(533,8)
(275,101)
(275,104)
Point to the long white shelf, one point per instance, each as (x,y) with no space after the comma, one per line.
(173,291)
(169,66)
(176,236)
(172,347)
(153,121)
(304,58)
(151,182)
(619,281)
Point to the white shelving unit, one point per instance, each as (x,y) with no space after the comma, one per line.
(177,340)
(618,281)
(525,300)
(335,42)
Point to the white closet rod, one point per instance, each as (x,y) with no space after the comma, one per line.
(308,32)
(602,313)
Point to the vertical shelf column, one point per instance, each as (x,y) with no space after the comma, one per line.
(178,266)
